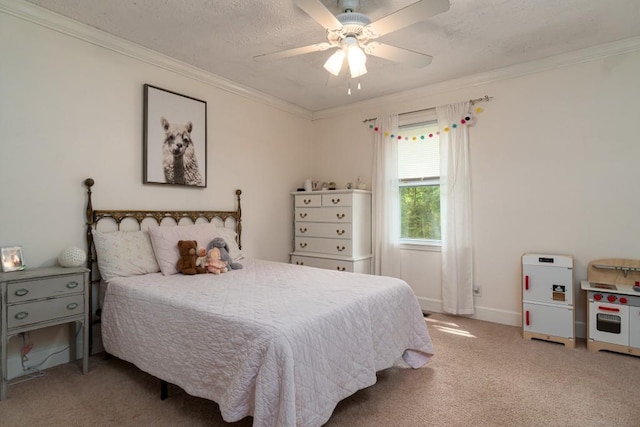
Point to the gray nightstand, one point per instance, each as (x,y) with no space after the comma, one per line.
(37,298)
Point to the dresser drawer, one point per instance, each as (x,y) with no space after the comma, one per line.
(323,229)
(323,215)
(341,199)
(44,288)
(327,264)
(308,200)
(324,246)
(45,310)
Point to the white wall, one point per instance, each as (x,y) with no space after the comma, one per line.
(554,160)
(70,109)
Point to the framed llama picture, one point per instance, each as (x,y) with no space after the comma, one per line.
(12,259)
(175,139)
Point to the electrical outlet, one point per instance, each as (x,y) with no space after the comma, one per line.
(477,291)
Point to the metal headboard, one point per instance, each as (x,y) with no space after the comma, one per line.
(94,216)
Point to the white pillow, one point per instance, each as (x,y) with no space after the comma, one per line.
(165,242)
(124,253)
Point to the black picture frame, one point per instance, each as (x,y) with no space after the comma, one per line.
(175,139)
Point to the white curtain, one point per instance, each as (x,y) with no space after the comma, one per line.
(386,199)
(455,208)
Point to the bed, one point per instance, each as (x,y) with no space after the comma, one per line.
(279,342)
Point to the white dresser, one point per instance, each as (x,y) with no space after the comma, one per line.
(333,230)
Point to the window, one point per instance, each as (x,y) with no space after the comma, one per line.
(419,173)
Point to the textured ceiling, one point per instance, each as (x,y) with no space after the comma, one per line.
(474,36)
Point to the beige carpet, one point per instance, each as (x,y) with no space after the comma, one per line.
(483,374)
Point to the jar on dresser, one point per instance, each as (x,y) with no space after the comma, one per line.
(333,230)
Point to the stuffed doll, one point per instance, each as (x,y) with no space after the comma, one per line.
(220,243)
(187,261)
(201,260)
(214,264)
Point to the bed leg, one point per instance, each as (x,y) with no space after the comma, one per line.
(164,390)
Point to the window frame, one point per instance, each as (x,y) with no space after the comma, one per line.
(415,243)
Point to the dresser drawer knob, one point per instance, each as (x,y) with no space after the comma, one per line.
(340,232)
(303,214)
(340,248)
(21,315)
(303,230)
(21,292)
(303,245)
(335,201)
(340,215)
(341,268)
(72,306)
(72,285)
(307,201)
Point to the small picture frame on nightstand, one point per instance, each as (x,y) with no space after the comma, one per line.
(12,258)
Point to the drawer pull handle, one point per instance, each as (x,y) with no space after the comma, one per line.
(72,285)
(303,245)
(21,315)
(299,263)
(303,214)
(303,230)
(307,201)
(21,292)
(341,268)
(340,248)
(72,306)
(335,201)
(340,215)
(340,232)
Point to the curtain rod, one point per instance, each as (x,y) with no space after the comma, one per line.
(471,101)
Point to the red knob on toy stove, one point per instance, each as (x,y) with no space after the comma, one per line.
(597,297)
(611,298)
(623,300)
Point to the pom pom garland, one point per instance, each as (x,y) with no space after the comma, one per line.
(466,120)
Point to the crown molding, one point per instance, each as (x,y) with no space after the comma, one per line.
(505,73)
(56,22)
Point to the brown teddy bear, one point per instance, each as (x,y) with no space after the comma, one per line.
(187,261)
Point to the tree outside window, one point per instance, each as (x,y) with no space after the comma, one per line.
(419,174)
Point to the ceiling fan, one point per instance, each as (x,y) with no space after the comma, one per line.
(353,35)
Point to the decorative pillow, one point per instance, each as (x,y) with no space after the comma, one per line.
(165,242)
(124,253)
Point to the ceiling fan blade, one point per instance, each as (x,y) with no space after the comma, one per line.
(320,13)
(292,52)
(396,54)
(411,14)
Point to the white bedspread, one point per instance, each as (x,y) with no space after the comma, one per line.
(281,342)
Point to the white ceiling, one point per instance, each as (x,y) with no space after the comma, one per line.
(474,36)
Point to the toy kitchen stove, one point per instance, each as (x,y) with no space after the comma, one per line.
(613,288)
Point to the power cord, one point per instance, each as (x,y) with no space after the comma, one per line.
(34,371)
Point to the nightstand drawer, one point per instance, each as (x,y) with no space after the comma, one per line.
(45,310)
(44,288)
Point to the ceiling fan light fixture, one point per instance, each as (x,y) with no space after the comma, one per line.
(357,60)
(334,63)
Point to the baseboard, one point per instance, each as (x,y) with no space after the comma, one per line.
(493,315)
